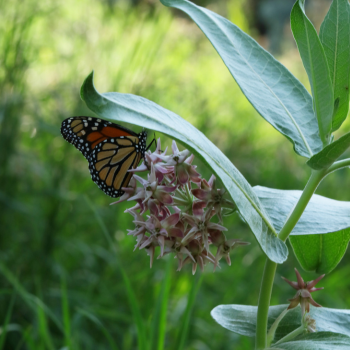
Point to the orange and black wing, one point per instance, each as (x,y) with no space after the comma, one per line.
(85,133)
(110,149)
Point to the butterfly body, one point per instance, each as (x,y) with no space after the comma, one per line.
(111,150)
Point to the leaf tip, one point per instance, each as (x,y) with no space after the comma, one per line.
(89,80)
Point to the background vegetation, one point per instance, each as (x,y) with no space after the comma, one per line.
(63,284)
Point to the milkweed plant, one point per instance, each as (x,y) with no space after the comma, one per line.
(176,211)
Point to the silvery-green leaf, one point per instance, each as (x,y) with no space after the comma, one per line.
(273,91)
(317,341)
(322,215)
(241,319)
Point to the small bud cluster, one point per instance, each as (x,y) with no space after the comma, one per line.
(303,295)
(180,220)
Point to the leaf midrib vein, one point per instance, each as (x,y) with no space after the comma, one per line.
(256,74)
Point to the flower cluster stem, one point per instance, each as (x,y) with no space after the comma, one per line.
(270,267)
(292,335)
(273,328)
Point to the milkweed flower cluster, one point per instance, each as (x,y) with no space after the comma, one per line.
(180,218)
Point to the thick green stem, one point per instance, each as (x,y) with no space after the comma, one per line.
(270,267)
(299,208)
(264,303)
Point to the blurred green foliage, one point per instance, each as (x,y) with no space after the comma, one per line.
(63,284)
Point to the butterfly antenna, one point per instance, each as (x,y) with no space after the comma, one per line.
(149,146)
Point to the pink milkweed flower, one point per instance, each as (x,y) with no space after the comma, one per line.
(180,252)
(182,165)
(152,189)
(161,229)
(201,256)
(139,229)
(224,246)
(303,295)
(154,158)
(200,226)
(212,197)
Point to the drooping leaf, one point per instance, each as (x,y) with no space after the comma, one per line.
(241,319)
(330,153)
(273,91)
(314,246)
(317,341)
(140,111)
(316,66)
(335,38)
(320,253)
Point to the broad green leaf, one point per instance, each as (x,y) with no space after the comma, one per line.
(140,111)
(330,153)
(273,91)
(335,38)
(241,319)
(320,253)
(316,66)
(317,341)
(322,215)
(314,249)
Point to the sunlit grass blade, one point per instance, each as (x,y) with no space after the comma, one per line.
(158,329)
(133,302)
(100,325)
(185,322)
(6,323)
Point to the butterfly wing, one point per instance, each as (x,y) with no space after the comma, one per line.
(110,149)
(109,163)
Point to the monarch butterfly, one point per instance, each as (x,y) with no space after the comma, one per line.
(110,149)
